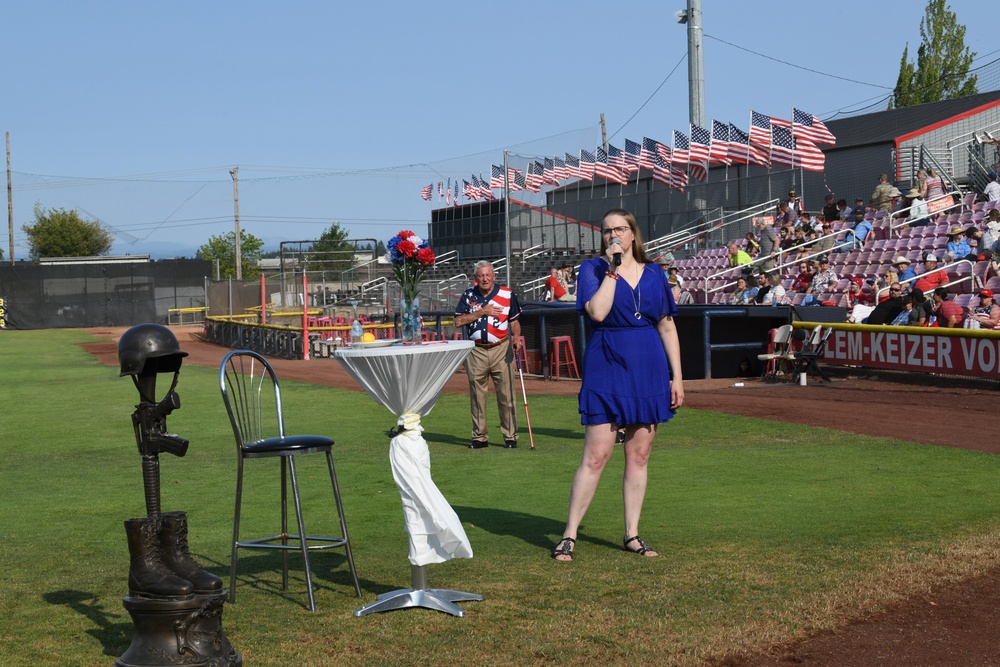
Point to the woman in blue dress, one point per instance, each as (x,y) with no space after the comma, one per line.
(631,371)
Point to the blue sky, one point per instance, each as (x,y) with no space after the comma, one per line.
(134,113)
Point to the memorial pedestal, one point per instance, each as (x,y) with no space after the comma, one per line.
(184,631)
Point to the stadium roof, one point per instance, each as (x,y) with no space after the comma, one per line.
(884,126)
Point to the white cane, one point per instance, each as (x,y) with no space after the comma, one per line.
(520,372)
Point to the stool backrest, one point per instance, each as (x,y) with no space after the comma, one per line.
(252,396)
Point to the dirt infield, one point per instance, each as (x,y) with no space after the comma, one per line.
(948,626)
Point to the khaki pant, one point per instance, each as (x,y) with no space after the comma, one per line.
(496,363)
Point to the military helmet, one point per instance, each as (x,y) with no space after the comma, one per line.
(151,348)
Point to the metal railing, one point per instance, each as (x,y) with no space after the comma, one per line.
(711,226)
(974,281)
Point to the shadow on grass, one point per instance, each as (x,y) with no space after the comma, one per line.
(113,635)
(538,531)
(261,571)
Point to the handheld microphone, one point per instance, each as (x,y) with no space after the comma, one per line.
(616,260)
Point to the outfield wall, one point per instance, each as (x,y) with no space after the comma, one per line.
(971,352)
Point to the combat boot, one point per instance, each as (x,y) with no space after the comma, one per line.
(175,555)
(147,575)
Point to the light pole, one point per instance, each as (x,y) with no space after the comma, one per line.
(235,173)
(696,61)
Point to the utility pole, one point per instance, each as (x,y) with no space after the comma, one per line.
(235,173)
(696,61)
(10,204)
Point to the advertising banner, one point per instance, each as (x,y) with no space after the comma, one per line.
(917,349)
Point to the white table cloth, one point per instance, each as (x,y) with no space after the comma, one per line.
(407,379)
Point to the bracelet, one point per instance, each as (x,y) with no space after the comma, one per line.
(612,274)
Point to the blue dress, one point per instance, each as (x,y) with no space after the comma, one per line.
(626,376)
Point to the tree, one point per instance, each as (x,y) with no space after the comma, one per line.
(332,252)
(943,61)
(223,250)
(61,233)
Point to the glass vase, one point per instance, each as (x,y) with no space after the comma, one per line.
(410,324)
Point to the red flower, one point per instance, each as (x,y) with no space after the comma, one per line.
(406,248)
(425,256)
(405,234)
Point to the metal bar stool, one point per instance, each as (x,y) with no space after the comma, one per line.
(253,400)
(563,355)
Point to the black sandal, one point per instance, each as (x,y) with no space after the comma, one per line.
(643,547)
(564,548)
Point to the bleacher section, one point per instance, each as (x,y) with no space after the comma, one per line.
(710,280)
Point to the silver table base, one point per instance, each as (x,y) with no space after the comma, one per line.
(439,599)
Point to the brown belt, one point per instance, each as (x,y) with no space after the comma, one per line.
(499,342)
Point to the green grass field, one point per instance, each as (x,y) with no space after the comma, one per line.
(766,530)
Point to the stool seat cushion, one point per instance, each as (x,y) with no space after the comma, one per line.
(291,444)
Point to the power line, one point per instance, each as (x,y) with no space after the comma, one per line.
(790,64)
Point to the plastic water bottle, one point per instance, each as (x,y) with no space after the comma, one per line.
(357,331)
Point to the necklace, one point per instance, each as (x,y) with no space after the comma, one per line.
(637,299)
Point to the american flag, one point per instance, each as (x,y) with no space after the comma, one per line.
(633,152)
(469,190)
(760,129)
(440,189)
(512,178)
(808,126)
(671,176)
(682,149)
(587,165)
(786,150)
(484,187)
(719,151)
(534,176)
(810,156)
(573,166)
(647,153)
(447,193)
(559,169)
(740,150)
(549,172)
(456,192)
(496,177)
(700,141)
(616,159)
(603,168)
(427,192)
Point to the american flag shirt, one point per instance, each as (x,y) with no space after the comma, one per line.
(489,329)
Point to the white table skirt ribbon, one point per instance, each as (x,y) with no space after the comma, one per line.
(436,533)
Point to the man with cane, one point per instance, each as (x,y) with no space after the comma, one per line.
(490,313)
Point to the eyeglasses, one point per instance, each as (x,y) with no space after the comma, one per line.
(616,231)
(895,290)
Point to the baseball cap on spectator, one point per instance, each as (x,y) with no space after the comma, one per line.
(900,260)
(930,258)
(986,292)
(857,281)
